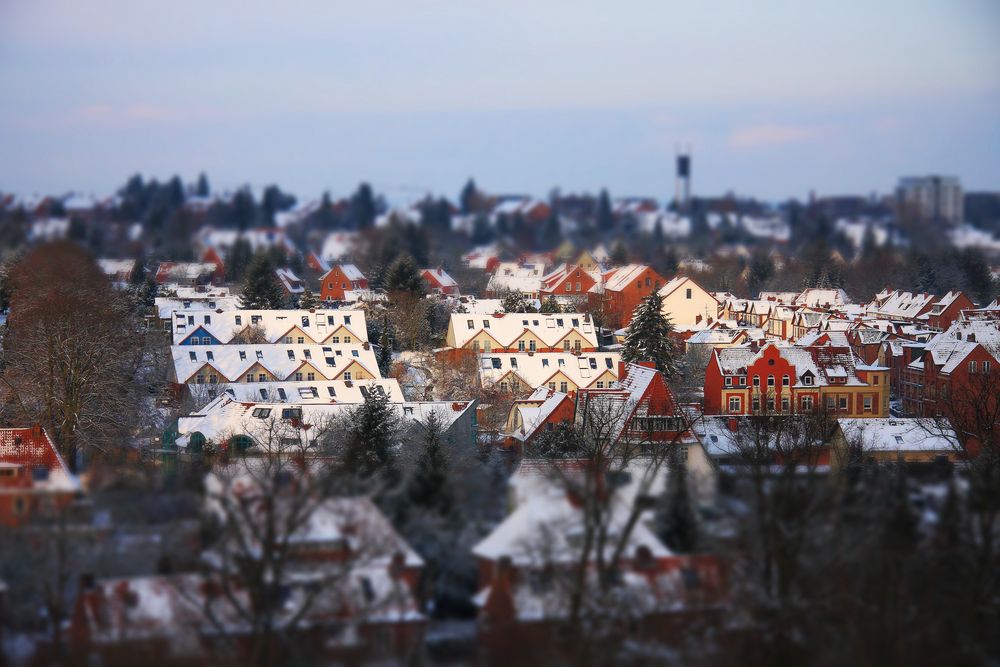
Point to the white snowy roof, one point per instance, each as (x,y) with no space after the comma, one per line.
(322,391)
(901,434)
(538,369)
(524,278)
(442,277)
(317,325)
(233,361)
(338,245)
(506,328)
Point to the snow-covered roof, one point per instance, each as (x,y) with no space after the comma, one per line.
(950,348)
(291,282)
(32,448)
(225,417)
(506,328)
(282,361)
(531,413)
(118,270)
(816,297)
(338,245)
(536,370)
(616,280)
(321,391)
(441,277)
(318,326)
(900,434)
(524,278)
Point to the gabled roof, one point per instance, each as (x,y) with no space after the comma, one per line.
(322,391)
(233,361)
(950,348)
(318,324)
(32,448)
(506,328)
(441,277)
(900,434)
(618,279)
(534,410)
(535,370)
(675,283)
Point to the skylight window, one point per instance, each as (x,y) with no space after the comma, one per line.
(209,355)
(193,355)
(291,354)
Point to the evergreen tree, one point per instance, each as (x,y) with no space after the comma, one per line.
(761,270)
(429,487)
(261,289)
(469,198)
(384,358)
(551,233)
(605,216)
(308,300)
(869,244)
(202,189)
(619,254)
(649,337)
(244,209)
(515,302)
(482,230)
(977,279)
(550,306)
(403,276)
(363,207)
(138,276)
(238,259)
(675,519)
(371,438)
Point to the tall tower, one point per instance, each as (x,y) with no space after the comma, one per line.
(683,187)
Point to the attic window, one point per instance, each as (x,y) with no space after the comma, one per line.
(486,324)
(308,354)
(291,354)
(513,362)
(329,320)
(407,410)
(347,320)
(354,353)
(193,355)
(261,413)
(263,394)
(260,355)
(305,321)
(524,322)
(534,323)
(494,362)
(331,391)
(608,363)
(562,362)
(472,325)
(545,363)
(239,320)
(576,322)
(559,322)
(243,355)
(899,439)
(208,319)
(209,355)
(593,362)
(281,394)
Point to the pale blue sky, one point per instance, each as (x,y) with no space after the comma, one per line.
(777,98)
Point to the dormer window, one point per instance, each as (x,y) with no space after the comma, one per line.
(239,320)
(472,325)
(291,354)
(193,356)
(209,355)
(260,355)
(807,379)
(243,355)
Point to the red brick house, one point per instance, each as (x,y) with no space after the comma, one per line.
(785,379)
(566,281)
(340,279)
(620,291)
(439,282)
(34,479)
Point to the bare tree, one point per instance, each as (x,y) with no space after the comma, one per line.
(252,334)
(74,353)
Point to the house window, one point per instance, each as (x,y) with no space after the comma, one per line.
(807,403)
(531,345)
(972,366)
(261,377)
(472,324)
(208,319)
(785,380)
(487,346)
(200,379)
(347,339)
(301,340)
(688,293)
(288,340)
(552,386)
(503,387)
(843,404)
(729,382)
(578,287)
(475,346)
(770,380)
(193,356)
(755,404)
(562,387)
(734,403)
(239,320)
(756,380)
(807,380)
(298,377)
(868,403)
(335,340)
(486,324)
(249,377)
(566,345)
(770,404)
(213,378)
(986,367)
(520,346)
(310,376)
(291,354)
(830,403)
(600,384)
(786,404)
(569,287)
(347,376)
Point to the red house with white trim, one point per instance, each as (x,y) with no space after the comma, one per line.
(342,278)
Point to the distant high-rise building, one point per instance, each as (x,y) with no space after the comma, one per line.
(937,198)
(683,192)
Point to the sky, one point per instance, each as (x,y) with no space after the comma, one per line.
(776,99)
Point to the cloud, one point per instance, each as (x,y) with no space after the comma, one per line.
(768,135)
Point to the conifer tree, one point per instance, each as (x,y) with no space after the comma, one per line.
(371,439)
(429,487)
(619,254)
(403,276)
(605,216)
(515,302)
(261,289)
(648,337)
(384,358)
(675,519)
(550,306)
(308,300)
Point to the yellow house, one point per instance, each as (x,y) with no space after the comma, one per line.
(687,303)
